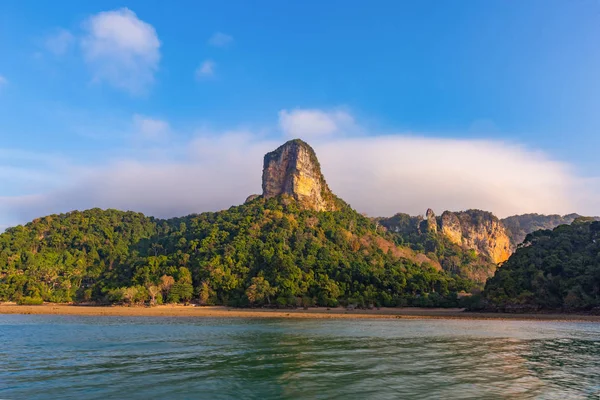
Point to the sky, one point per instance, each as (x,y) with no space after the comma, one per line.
(168,107)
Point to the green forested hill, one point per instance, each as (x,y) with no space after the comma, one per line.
(58,257)
(553,269)
(266,251)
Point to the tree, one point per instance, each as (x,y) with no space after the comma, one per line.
(205,293)
(129,294)
(153,291)
(166,282)
(259,290)
(185,276)
(181,292)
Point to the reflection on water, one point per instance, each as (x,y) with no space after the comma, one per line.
(102,357)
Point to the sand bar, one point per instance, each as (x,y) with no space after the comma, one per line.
(316,313)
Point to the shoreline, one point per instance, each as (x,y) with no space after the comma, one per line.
(311,313)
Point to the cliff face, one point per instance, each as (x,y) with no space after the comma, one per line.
(293,169)
(477,230)
(468,243)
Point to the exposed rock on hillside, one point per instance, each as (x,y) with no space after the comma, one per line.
(293,169)
(477,230)
(471,230)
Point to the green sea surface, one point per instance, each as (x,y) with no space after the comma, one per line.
(77,357)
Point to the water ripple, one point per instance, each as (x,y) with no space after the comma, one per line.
(105,357)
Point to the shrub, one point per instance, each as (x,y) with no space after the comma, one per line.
(30,301)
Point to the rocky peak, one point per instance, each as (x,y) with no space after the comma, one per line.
(294,170)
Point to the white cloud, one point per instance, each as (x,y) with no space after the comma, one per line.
(122,50)
(3,81)
(150,129)
(215,173)
(308,124)
(59,42)
(377,174)
(206,69)
(388,174)
(219,39)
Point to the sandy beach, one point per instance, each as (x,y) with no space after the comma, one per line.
(316,313)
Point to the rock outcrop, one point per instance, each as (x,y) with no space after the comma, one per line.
(430,222)
(251,197)
(477,230)
(293,170)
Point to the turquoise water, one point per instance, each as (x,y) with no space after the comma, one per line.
(65,357)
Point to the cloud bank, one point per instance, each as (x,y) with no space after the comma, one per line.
(379,174)
(121,49)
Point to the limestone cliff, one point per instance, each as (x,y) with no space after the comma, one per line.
(293,169)
(477,230)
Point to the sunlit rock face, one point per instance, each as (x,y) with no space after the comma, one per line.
(477,230)
(293,169)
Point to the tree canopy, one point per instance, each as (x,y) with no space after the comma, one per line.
(552,269)
(262,252)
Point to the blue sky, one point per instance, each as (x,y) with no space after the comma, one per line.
(98,92)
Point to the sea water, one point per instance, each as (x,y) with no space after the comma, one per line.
(78,357)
